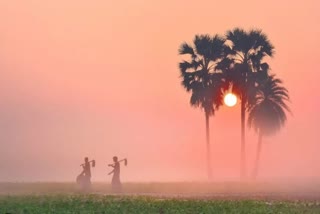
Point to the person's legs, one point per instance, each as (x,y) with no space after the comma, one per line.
(81,181)
(116,184)
(119,186)
(113,184)
(87,183)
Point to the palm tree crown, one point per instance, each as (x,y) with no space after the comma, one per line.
(267,113)
(199,74)
(243,62)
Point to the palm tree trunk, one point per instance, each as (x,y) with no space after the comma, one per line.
(257,161)
(208,147)
(243,137)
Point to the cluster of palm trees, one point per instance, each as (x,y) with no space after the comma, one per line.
(235,62)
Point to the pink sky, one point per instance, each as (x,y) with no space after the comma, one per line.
(100,78)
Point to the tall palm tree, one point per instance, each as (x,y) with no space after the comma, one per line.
(244,66)
(267,112)
(200,77)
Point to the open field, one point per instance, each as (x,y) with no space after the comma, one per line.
(160,198)
(87,204)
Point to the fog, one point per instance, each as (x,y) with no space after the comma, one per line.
(98,79)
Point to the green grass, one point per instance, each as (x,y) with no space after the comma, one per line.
(161,198)
(98,204)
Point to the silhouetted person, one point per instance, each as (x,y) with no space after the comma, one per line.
(116,184)
(84,179)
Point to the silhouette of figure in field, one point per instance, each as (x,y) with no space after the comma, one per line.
(84,179)
(116,183)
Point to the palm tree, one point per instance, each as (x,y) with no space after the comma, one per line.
(200,77)
(243,64)
(267,112)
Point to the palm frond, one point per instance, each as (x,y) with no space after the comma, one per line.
(184,66)
(268,107)
(185,48)
(261,42)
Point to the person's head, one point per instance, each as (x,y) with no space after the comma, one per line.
(86,159)
(115,159)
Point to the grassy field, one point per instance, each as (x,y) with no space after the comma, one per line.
(86,204)
(159,198)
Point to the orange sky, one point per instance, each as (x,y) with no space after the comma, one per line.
(100,78)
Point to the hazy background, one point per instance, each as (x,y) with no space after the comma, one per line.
(100,78)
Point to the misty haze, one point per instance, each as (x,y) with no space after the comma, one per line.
(119,78)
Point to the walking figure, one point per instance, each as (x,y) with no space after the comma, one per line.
(84,179)
(116,183)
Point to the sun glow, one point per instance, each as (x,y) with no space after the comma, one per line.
(230,99)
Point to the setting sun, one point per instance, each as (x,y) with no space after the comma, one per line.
(230,99)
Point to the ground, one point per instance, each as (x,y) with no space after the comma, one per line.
(160,198)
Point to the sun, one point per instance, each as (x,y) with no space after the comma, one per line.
(230,99)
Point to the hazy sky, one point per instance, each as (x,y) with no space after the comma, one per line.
(100,78)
